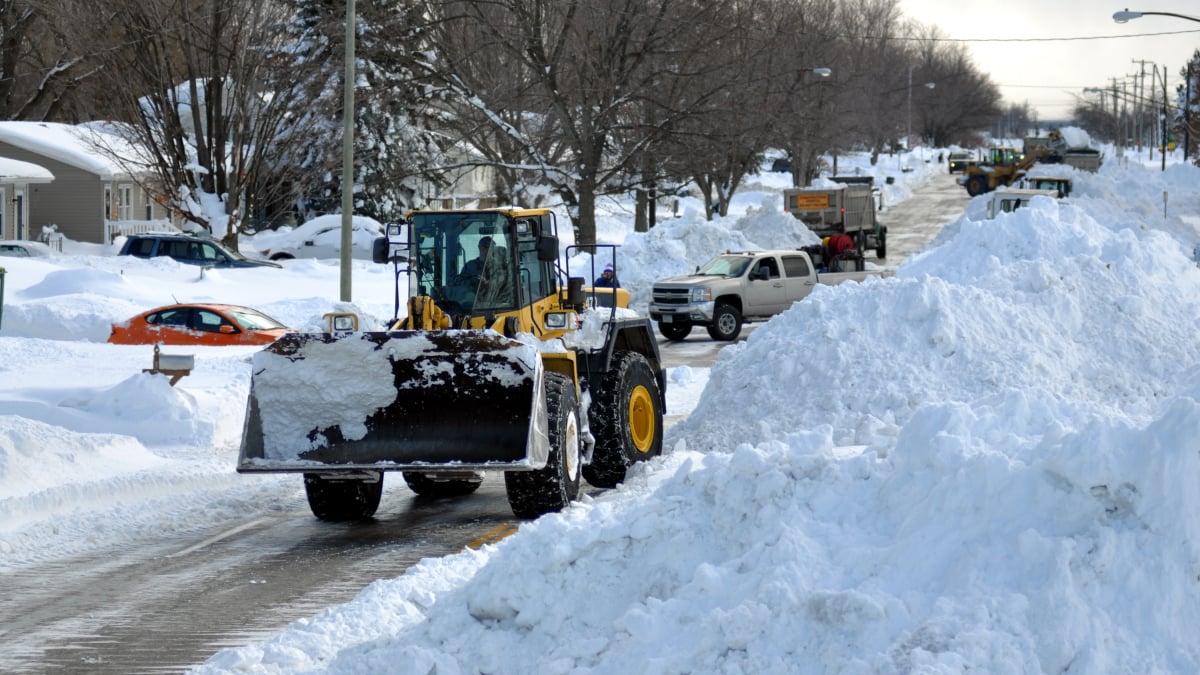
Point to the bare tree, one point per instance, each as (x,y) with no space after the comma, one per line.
(41,70)
(799,100)
(586,67)
(204,94)
(964,101)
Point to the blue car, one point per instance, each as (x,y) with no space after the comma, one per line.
(188,250)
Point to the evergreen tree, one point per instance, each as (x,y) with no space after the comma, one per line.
(396,153)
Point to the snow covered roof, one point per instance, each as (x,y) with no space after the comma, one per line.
(16,171)
(76,146)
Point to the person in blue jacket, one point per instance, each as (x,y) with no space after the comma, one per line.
(607,278)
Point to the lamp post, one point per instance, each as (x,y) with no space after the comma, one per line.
(798,144)
(347,157)
(908,127)
(1127,16)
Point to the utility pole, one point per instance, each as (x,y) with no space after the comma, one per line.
(1187,112)
(1163,114)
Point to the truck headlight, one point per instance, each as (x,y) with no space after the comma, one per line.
(701,294)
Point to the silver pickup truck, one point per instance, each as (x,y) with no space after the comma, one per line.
(741,287)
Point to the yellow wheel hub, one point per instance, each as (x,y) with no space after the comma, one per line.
(641,418)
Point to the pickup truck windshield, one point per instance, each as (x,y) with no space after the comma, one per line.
(725,266)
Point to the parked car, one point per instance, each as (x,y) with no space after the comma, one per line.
(198,324)
(320,237)
(19,248)
(959,161)
(187,249)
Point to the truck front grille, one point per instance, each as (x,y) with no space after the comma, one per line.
(671,296)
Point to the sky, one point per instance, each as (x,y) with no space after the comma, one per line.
(985,462)
(1048,74)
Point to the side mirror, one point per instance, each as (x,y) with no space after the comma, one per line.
(547,248)
(762,274)
(226,329)
(380,249)
(575,295)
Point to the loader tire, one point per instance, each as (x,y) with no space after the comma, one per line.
(339,500)
(425,486)
(626,419)
(726,323)
(552,488)
(976,185)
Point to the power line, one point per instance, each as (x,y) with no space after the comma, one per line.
(1050,39)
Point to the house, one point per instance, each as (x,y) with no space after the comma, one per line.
(80,189)
(15,178)
(470,182)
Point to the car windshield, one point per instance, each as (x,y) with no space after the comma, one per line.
(252,319)
(13,251)
(725,266)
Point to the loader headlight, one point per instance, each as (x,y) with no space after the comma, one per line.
(341,322)
(701,294)
(558,320)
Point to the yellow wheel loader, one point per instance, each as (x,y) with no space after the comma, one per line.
(496,366)
(1005,165)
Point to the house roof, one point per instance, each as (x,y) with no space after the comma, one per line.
(77,146)
(16,171)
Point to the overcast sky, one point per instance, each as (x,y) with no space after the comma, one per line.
(1046,73)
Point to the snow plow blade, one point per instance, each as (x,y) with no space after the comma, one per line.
(455,400)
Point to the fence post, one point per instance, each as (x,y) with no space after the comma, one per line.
(1,296)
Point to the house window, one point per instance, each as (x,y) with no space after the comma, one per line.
(125,202)
(108,208)
(149,205)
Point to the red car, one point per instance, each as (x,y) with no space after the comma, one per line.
(198,324)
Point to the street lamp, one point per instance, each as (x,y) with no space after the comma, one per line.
(1126,16)
(820,72)
(908,127)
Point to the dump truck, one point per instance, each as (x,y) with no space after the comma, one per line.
(492,367)
(1057,149)
(844,209)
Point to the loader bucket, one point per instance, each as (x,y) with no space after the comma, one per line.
(470,399)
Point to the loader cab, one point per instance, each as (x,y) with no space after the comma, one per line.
(1003,156)
(482,263)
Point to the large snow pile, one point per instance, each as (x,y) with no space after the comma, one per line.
(986,463)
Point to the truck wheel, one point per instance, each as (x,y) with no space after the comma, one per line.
(625,418)
(881,246)
(674,331)
(533,493)
(976,185)
(426,485)
(726,323)
(338,500)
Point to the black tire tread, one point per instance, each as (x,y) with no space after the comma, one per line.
(342,500)
(608,419)
(534,493)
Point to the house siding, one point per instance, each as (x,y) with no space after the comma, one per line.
(73,202)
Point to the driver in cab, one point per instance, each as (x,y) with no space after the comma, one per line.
(474,267)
